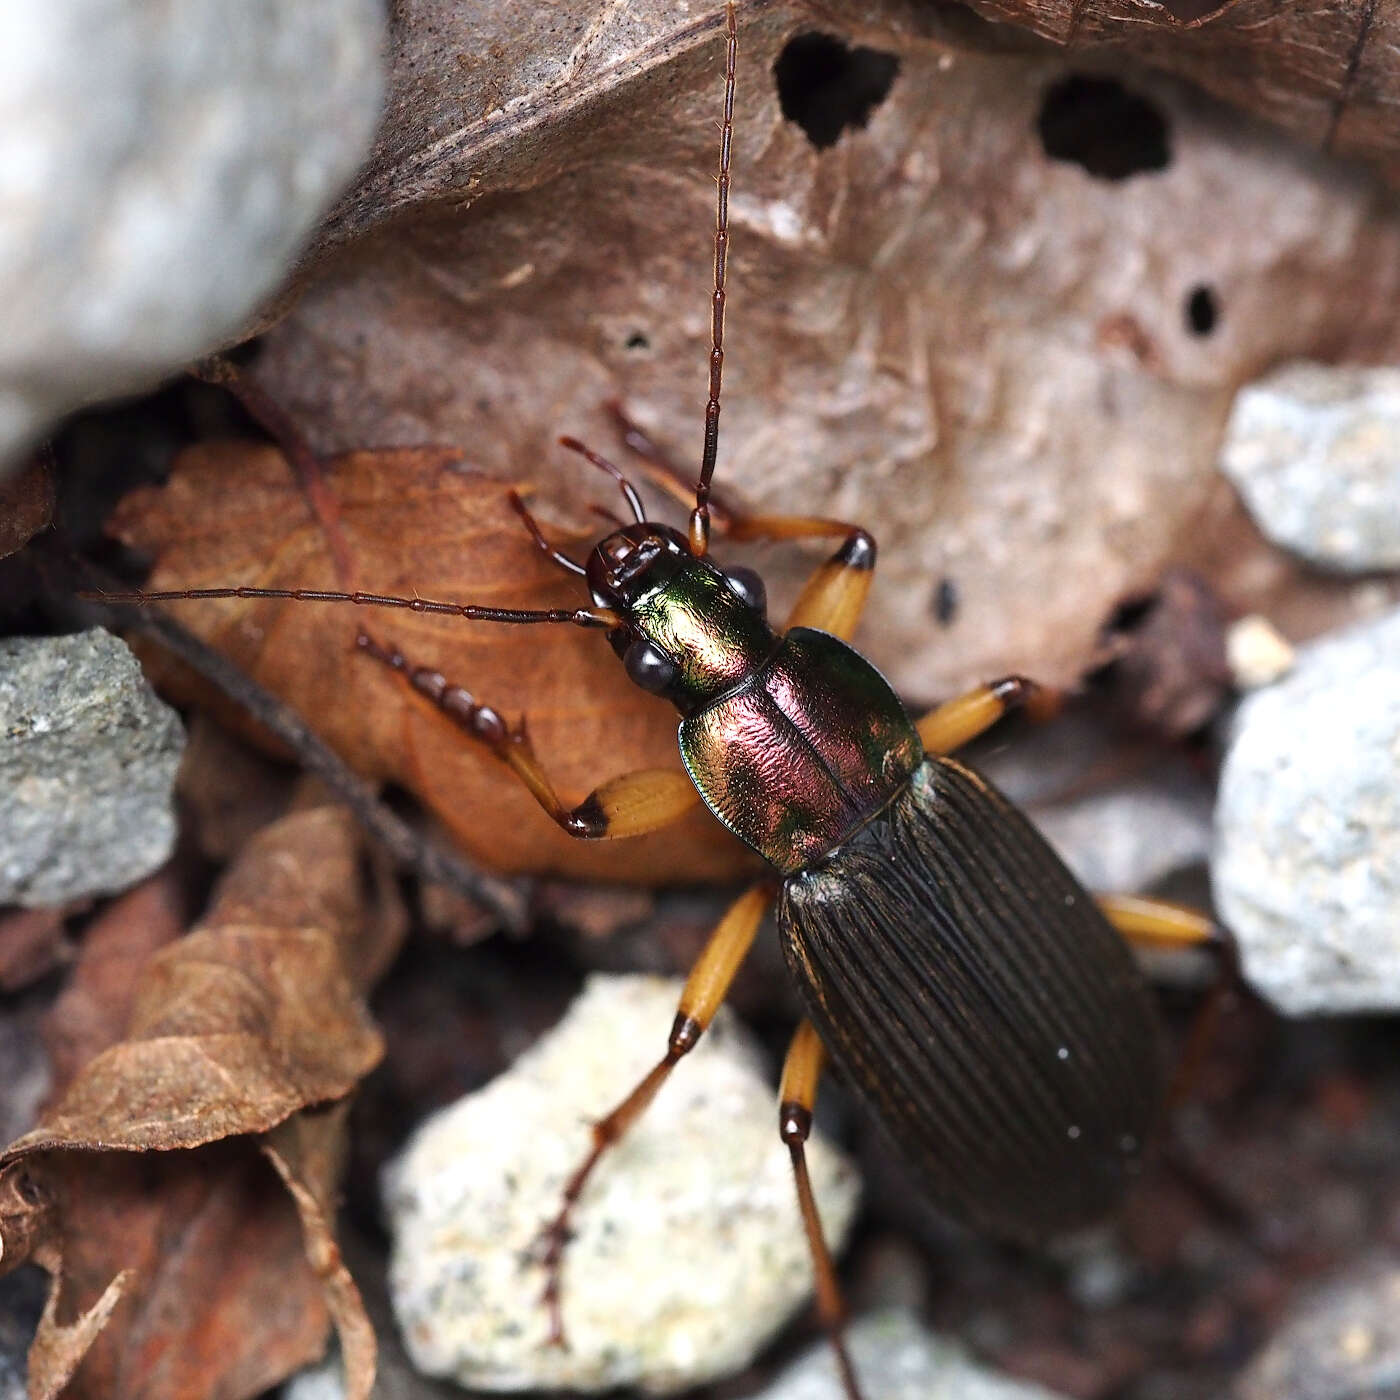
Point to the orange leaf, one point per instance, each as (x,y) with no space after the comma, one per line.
(232,514)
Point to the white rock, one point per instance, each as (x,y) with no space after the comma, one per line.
(324,1381)
(689,1252)
(1340,1342)
(88,756)
(160,166)
(1315,452)
(1307,863)
(896,1359)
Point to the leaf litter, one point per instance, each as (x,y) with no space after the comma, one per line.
(417,524)
(945,334)
(193,1073)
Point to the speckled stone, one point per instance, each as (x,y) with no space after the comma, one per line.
(87,767)
(1307,862)
(689,1253)
(1315,452)
(1342,1342)
(896,1359)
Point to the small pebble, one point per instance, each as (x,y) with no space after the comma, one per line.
(688,1251)
(1306,869)
(1257,653)
(1315,452)
(87,766)
(897,1359)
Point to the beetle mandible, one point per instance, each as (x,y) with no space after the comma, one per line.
(981,1003)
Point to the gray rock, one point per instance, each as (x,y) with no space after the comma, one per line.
(1342,1343)
(1307,863)
(87,767)
(1315,452)
(1131,836)
(1118,838)
(159,170)
(688,1253)
(321,1382)
(896,1359)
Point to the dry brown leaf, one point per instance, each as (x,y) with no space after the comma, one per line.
(93,1009)
(32,943)
(417,524)
(219,1302)
(229,791)
(150,1164)
(984,354)
(1165,657)
(26,506)
(307,1152)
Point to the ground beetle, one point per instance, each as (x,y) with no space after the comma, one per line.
(982,1004)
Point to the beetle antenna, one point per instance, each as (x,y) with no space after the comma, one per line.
(557,555)
(579,617)
(700,516)
(629,491)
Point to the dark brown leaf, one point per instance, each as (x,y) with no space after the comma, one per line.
(26,505)
(1328,74)
(1164,656)
(32,942)
(181,1268)
(92,1011)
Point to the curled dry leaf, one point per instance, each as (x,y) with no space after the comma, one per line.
(150,1186)
(416,523)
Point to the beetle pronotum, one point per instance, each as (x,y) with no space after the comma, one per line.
(980,1002)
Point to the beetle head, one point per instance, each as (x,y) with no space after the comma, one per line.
(689,630)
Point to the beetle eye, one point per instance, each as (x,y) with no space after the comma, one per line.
(648,666)
(746,585)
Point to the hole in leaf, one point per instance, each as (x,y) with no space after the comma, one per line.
(1130,613)
(827,88)
(1202,310)
(945,601)
(1098,124)
(637,341)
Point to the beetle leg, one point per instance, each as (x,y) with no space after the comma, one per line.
(1159,923)
(798,1096)
(630,805)
(704,993)
(957,722)
(834,596)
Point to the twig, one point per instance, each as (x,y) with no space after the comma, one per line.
(504,899)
